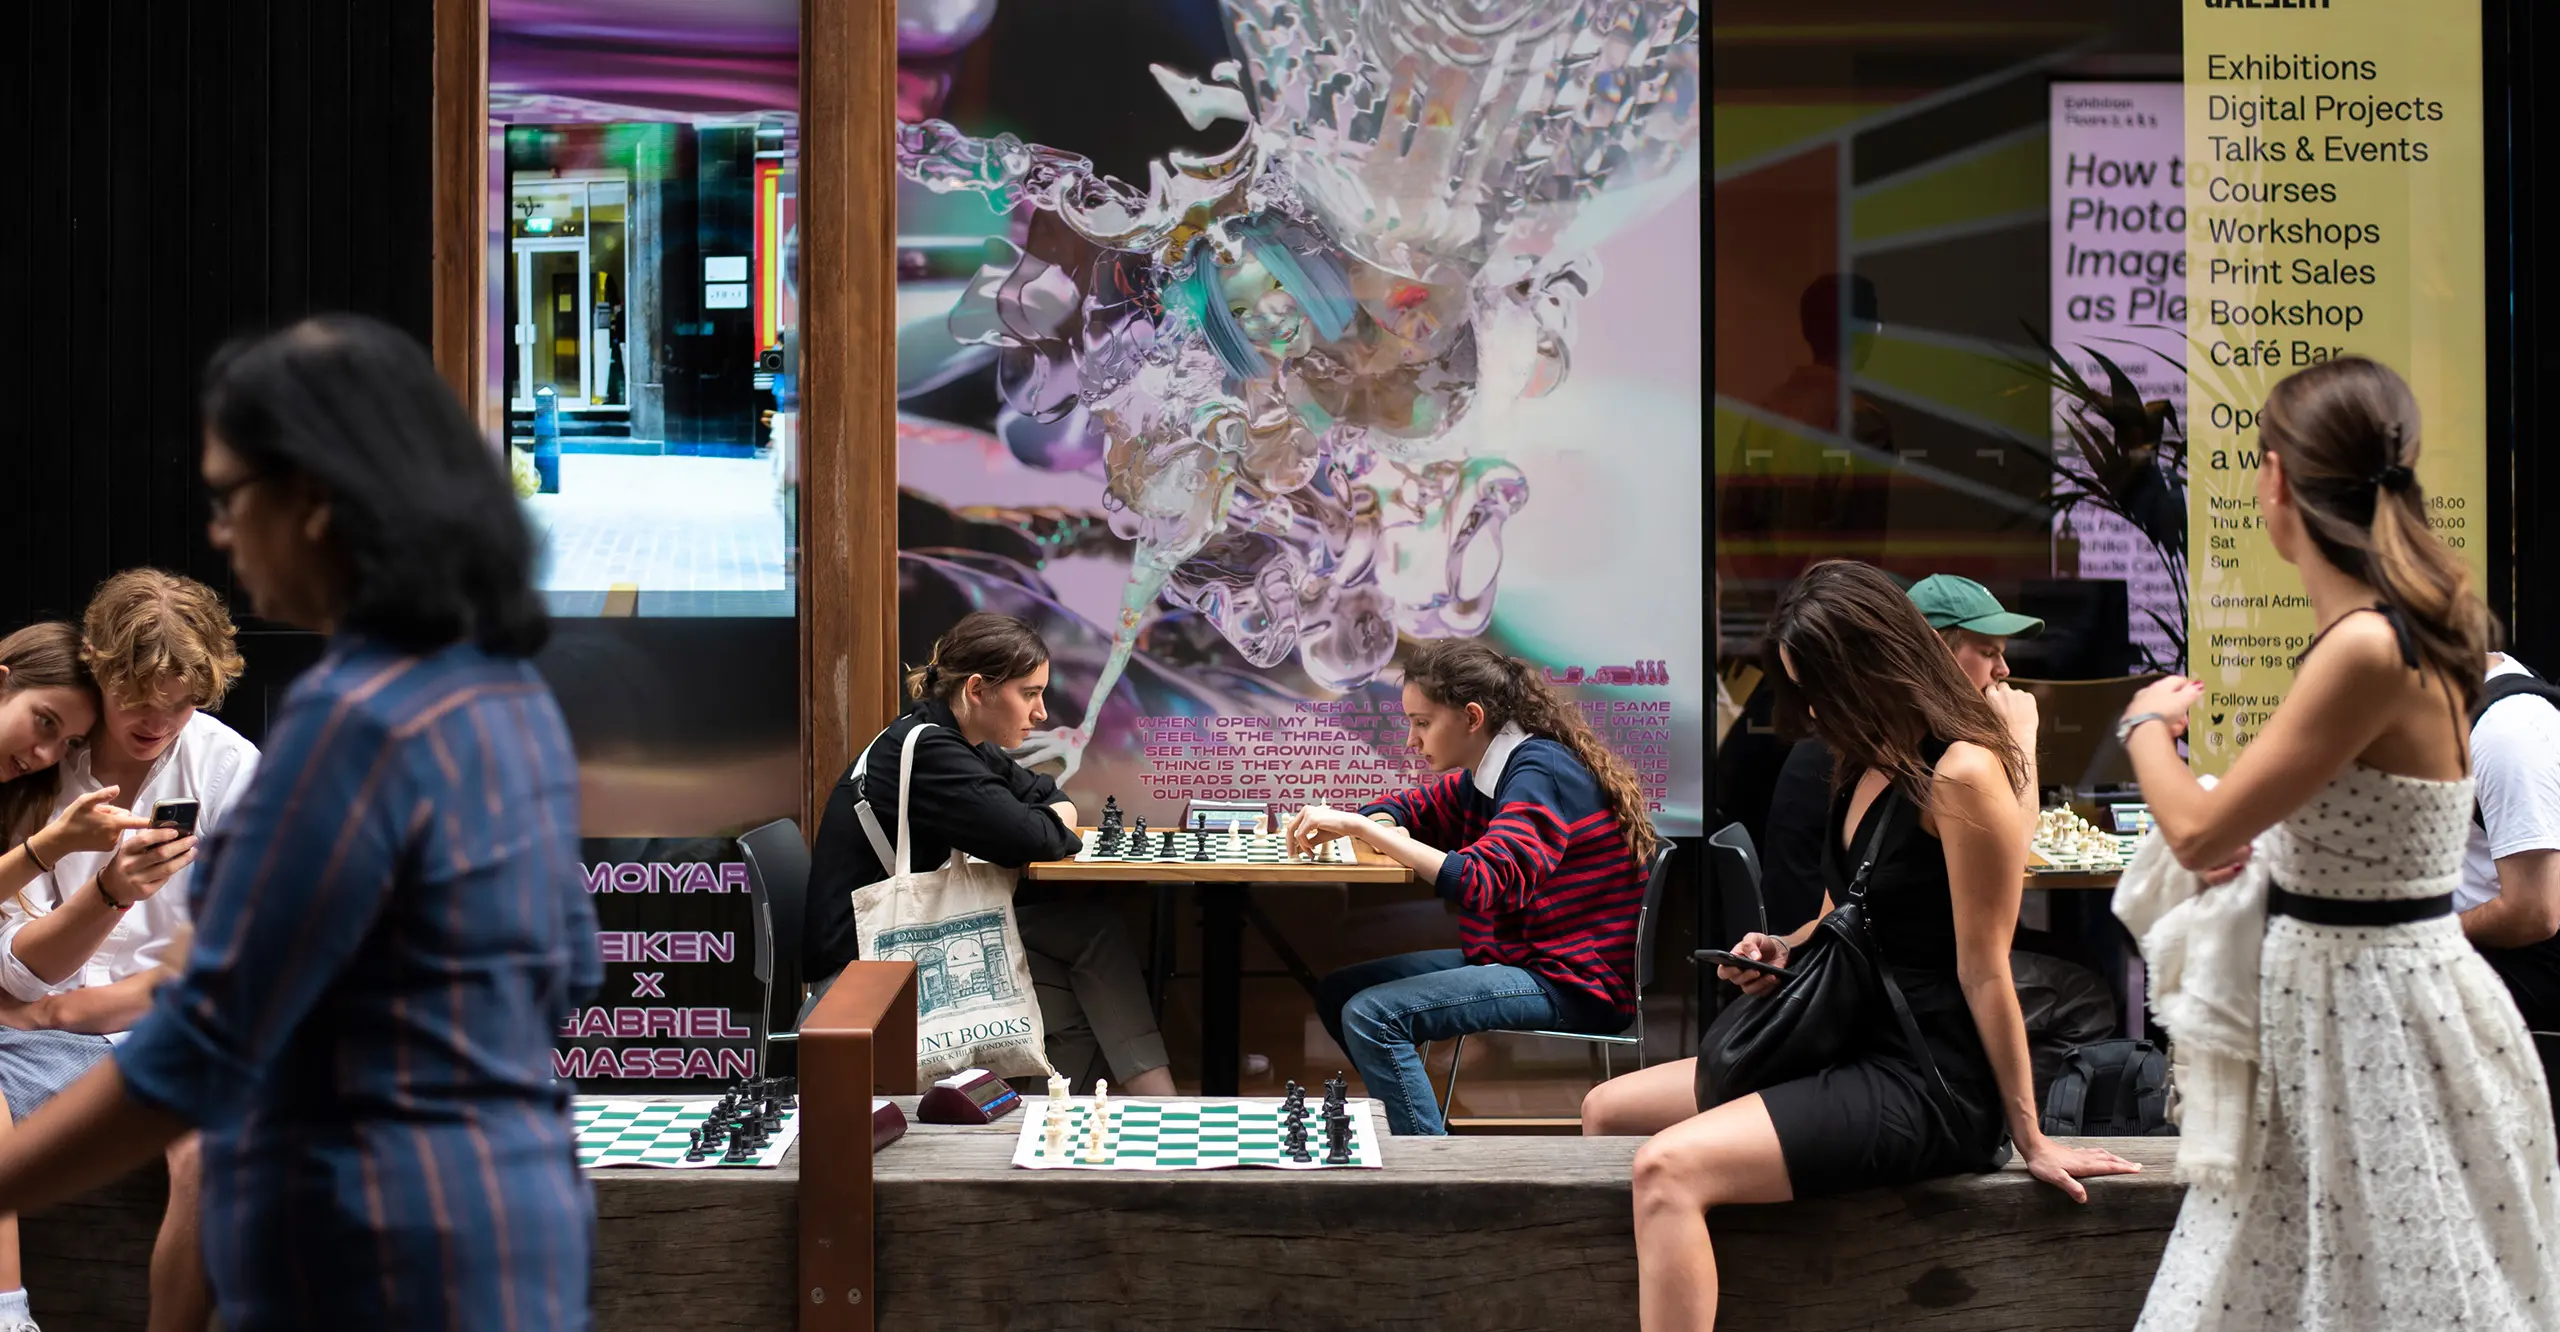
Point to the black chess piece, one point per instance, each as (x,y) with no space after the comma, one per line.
(1337,1138)
(1142,828)
(1200,844)
(1336,1092)
(1111,814)
(1170,849)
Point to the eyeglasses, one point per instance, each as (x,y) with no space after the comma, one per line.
(218,498)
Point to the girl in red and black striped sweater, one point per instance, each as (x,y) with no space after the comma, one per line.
(1551,842)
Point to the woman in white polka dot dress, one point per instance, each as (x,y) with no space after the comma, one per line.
(2402,1156)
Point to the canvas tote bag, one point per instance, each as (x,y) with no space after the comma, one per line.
(974,1004)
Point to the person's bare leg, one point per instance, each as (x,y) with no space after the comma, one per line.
(12,1276)
(1727,1155)
(1642,1103)
(181,1300)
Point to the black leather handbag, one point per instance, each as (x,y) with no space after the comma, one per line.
(1835,993)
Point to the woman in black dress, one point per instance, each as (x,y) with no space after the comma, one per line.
(1929,767)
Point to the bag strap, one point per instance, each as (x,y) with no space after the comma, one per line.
(906,771)
(2066,1100)
(2499,689)
(1889,823)
(2151,1099)
(1892,824)
(871,829)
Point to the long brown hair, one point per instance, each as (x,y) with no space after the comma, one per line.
(2347,431)
(999,647)
(1873,681)
(1454,672)
(45,655)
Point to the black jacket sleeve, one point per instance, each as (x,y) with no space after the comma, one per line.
(840,860)
(963,800)
(1029,787)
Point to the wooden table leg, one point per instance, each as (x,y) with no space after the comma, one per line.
(1221,990)
(1160,949)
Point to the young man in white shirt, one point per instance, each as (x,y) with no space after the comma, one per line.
(84,946)
(2509,896)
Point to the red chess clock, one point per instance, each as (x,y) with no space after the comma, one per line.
(970,1096)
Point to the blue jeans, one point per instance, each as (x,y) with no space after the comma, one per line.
(1379,1012)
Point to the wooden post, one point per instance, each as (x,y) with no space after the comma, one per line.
(859,1042)
(461,164)
(848,428)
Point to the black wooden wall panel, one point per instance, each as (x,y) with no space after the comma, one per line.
(190,172)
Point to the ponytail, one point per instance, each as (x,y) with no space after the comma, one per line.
(997,647)
(2346,436)
(1456,672)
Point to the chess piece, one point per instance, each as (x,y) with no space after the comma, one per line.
(1111,814)
(1336,1092)
(1337,1138)
(1100,1125)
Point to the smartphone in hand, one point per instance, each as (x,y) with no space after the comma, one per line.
(1729,958)
(178,814)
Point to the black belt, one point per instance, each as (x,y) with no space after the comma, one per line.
(2342,911)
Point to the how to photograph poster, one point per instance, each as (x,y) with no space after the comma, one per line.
(2119,244)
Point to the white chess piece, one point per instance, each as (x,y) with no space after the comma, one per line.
(1056,1149)
(1235,839)
(1093,1147)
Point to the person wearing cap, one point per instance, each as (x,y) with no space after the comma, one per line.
(1976,628)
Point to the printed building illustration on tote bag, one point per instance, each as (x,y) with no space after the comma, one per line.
(961,962)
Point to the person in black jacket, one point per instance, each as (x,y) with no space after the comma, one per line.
(982,694)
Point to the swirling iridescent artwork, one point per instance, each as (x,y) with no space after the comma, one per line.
(1268,349)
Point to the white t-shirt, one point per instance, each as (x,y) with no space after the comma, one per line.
(2515,754)
(209,763)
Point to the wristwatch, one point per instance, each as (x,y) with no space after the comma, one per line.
(2126,728)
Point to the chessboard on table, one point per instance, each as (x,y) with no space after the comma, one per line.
(1226,1133)
(615,1131)
(1177,847)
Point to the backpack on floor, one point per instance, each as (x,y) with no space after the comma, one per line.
(2110,1089)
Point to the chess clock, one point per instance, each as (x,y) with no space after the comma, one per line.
(1218,816)
(970,1096)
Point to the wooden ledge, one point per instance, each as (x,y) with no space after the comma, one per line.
(1478,1233)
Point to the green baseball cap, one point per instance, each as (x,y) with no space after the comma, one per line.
(1949,602)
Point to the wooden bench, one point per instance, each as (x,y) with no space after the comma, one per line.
(1489,1233)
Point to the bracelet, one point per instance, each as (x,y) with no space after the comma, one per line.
(108,897)
(30,845)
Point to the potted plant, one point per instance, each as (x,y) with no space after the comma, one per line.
(2126,457)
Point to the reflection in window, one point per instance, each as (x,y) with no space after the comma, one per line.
(644,300)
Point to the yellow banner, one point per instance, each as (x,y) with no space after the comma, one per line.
(2334,151)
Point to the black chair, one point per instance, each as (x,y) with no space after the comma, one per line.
(1648,920)
(778,878)
(1730,908)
